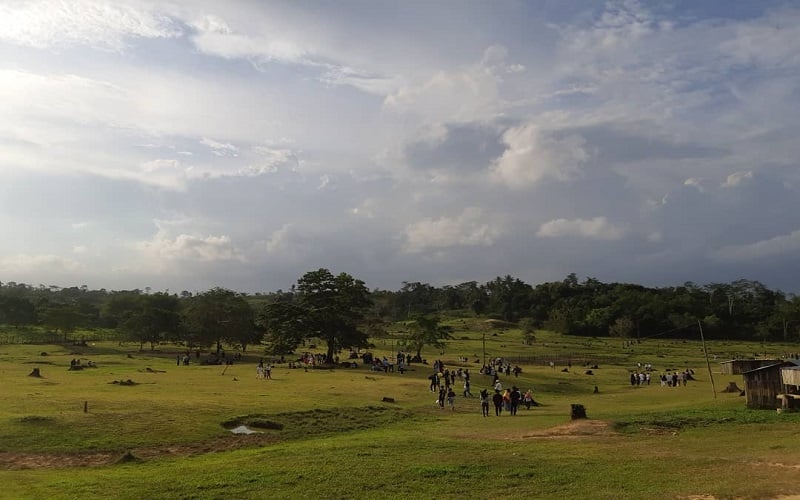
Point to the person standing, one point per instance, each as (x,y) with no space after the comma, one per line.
(497,399)
(485,402)
(515,397)
(527,399)
(467,394)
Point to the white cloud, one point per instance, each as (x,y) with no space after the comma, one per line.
(737,179)
(25,263)
(531,156)
(771,41)
(471,93)
(215,36)
(695,183)
(220,148)
(288,244)
(597,228)
(655,237)
(55,24)
(468,229)
(780,245)
(164,247)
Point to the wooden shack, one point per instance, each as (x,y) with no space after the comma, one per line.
(739,366)
(762,385)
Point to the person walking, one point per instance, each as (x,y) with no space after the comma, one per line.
(497,399)
(451,399)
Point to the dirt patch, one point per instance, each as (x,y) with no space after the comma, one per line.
(15,460)
(252,421)
(285,426)
(777,464)
(576,428)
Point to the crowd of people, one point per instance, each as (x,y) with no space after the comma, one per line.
(443,380)
(669,378)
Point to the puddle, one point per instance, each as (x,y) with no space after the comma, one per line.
(243,429)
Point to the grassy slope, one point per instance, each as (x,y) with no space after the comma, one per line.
(672,442)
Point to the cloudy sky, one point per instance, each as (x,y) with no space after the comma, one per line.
(188,144)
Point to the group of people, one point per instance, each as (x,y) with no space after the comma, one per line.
(670,378)
(498,366)
(508,400)
(263,370)
(443,380)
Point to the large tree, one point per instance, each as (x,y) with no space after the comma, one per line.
(151,319)
(322,306)
(426,330)
(218,316)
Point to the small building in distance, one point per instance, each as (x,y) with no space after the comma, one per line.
(762,385)
(739,366)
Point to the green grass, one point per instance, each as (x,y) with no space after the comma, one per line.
(327,433)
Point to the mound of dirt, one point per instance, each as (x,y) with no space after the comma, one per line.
(128,458)
(732,387)
(252,421)
(575,428)
(124,382)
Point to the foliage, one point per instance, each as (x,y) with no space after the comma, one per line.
(219,315)
(151,319)
(426,330)
(323,306)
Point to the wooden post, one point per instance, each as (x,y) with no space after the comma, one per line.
(705,352)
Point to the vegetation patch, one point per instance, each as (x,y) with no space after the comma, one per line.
(36,419)
(255,421)
(685,419)
(460,471)
(123,382)
(298,425)
(128,458)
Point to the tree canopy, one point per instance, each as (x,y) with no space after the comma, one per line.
(325,306)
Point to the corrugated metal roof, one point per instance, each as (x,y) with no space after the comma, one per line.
(779,364)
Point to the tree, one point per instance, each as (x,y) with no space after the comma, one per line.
(219,315)
(17,311)
(528,327)
(426,330)
(622,327)
(151,319)
(63,318)
(325,306)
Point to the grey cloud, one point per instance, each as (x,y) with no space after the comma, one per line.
(613,145)
(466,146)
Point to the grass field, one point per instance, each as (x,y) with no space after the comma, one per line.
(328,434)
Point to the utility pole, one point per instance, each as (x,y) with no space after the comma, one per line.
(705,352)
(484,347)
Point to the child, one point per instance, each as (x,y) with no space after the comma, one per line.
(451,399)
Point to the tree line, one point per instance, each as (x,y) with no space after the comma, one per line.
(342,312)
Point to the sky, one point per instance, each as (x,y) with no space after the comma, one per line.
(182,145)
